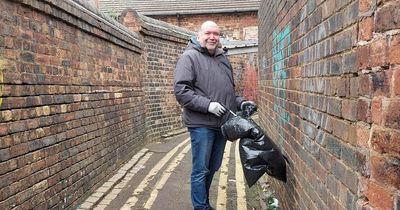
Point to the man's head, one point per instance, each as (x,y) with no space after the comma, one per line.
(208,36)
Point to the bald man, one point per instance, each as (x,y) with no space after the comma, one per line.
(204,87)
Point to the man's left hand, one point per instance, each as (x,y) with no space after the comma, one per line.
(248,108)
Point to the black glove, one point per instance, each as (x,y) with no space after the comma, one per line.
(248,108)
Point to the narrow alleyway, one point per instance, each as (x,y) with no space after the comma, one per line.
(158,178)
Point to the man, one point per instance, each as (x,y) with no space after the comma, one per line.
(204,86)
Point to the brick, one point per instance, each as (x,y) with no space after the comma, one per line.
(333,185)
(320,137)
(353,158)
(4,129)
(7,166)
(27,57)
(379,196)
(386,169)
(321,172)
(342,87)
(366,84)
(351,200)
(345,40)
(376,111)
(394,50)
(8,42)
(19,149)
(364,5)
(385,18)
(385,141)
(363,132)
(350,63)
(334,106)
(363,56)
(379,53)
(330,87)
(339,170)
(333,203)
(18,126)
(333,145)
(352,136)
(396,81)
(366,26)
(14,102)
(381,82)
(352,181)
(349,110)
(5,141)
(391,113)
(340,128)
(364,111)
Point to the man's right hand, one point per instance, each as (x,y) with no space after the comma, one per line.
(216,109)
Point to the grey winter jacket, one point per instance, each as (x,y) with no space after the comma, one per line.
(201,78)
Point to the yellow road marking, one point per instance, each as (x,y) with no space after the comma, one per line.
(223,179)
(133,199)
(240,185)
(117,189)
(164,177)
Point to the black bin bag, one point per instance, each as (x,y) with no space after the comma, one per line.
(258,153)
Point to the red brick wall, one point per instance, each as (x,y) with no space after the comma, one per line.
(161,51)
(329,82)
(163,111)
(72,105)
(78,96)
(232,25)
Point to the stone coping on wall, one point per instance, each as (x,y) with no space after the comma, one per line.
(82,15)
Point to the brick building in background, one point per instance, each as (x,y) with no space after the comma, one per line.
(330,87)
(237,18)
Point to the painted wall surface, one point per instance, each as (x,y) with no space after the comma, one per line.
(329,97)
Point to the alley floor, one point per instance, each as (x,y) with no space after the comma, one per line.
(158,178)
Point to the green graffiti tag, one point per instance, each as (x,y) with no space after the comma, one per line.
(279,71)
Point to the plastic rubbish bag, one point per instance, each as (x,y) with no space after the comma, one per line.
(258,153)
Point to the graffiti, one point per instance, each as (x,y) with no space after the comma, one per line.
(250,90)
(279,72)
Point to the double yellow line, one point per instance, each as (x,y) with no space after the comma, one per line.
(222,184)
(223,180)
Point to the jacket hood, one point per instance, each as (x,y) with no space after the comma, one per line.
(194,44)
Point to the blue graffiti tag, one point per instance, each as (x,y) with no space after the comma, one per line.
(279,72)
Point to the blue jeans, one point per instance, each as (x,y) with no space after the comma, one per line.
(208,146)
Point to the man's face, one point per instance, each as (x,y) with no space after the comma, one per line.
(209,38)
